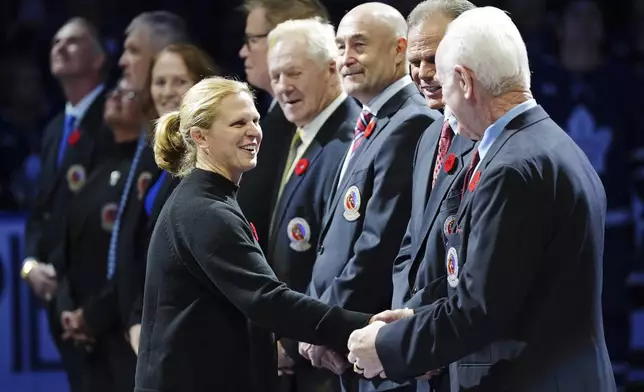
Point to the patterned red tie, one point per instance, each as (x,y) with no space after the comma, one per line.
(470,170)
(361,126)
(444,143)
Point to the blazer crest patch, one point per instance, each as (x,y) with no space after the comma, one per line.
(352,204)
(76,177)
(299,232)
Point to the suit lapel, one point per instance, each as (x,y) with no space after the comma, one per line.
(460,148)
(290,188)
(522,121)
(50,167)
(81,152)
(382,119)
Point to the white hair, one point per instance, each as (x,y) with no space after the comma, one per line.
(486,41)
(317,35)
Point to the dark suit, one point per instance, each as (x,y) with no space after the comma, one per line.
(265,178)
(419,269)
(298,218)
(110,365)
(131,273)
(357,246)
(56,187)
(523,311)
(209,292)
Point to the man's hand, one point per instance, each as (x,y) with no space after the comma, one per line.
(42,280)
(134,334)
(389,316)
(323,357)
(427,376)
(362,350)
(73,324)
(284,362)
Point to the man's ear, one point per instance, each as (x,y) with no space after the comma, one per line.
(465,80)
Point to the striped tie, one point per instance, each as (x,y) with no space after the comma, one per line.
(361,126)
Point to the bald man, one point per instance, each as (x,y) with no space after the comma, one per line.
(371,199)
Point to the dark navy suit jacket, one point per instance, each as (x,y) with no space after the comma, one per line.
(298,218)
(370,208)
(300,209)
(523,310)
(419,269)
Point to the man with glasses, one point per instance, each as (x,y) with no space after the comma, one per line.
(262,17)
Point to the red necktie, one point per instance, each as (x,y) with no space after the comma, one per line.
(470,170)
(444,143)
(361,126)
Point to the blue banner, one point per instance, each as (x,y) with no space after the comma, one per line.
(29,361)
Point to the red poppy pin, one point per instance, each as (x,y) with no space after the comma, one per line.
(301,166)
(449,163)
(369,130)
(475,181)
(252,227)
(74,137)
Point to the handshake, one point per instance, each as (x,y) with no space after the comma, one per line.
(359,341)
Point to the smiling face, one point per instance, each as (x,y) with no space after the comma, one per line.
(369,55)
(234,138)
(301,85)
(170,81)
(421,52)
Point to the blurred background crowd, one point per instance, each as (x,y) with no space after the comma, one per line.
(587,59)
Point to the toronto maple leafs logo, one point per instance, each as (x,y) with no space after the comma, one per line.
(593,140)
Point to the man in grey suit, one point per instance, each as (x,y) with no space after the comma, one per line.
(371,199)
(524,263)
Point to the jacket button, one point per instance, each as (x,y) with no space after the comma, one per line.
(415,290)
(46,216)
(320,250)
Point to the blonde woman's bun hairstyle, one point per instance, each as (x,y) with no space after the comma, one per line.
(169,146)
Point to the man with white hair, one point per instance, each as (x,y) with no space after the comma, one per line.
(306,83)
(370,205)
(524,263)
(262,17)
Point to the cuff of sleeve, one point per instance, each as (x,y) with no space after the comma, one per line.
(390,352)
(336,326)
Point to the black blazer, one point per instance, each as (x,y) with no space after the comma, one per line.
(132,261)
(58,185)
(523,311)
(208,288)
(114,304)
(265,178)
(87,234)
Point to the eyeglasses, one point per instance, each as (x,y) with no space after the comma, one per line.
(253,39)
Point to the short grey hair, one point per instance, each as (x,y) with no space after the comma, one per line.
(317,35)
(165,28)
(486,41)
(451,9)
